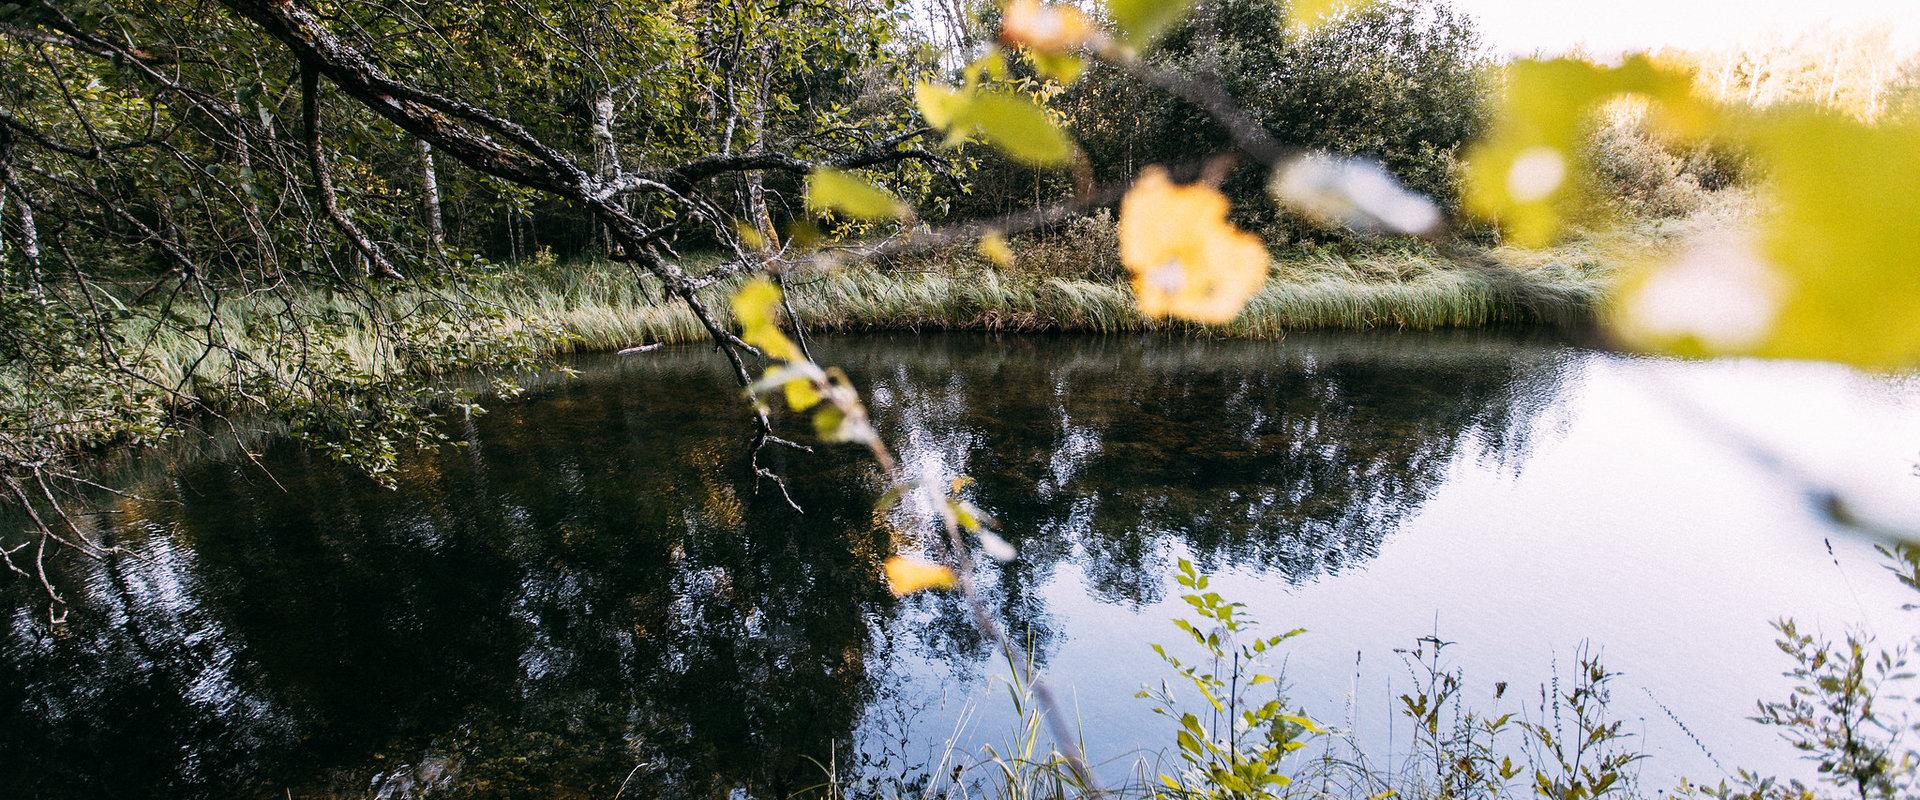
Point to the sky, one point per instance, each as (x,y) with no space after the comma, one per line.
(1607,27)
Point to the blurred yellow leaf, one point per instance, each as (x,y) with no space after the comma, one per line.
(995,248)
(940,105)
(1019,128)
(1311,14)
(798,388)
(1045,27)
(1064,68)
(830,189)
(1142,21)
(749,236)
(1527,173)
(1187,260)
(754,303)
(754,308)
(906,575)
(992,66)
(1834,270)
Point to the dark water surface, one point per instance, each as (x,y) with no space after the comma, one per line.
(591,591)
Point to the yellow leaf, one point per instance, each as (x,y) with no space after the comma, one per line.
(907,575)
(1311,14)
(1528,172)
(755,303)
(995,248)
(749,236)
(1047,28)
(1142,21)
(830,189)
(1187,260)
(1831,274)
(754,308)
(1019,128)
(992,66)
(800,392)
(1064,68)
(940,105)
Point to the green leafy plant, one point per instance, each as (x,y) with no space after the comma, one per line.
(1456,748)
(1837,714)
(1236,746)
(1576,747)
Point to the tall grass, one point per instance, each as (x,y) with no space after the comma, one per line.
(605,311)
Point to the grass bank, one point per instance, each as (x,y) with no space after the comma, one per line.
(1070,284)
(604,309)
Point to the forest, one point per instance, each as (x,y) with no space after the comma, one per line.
(329,246)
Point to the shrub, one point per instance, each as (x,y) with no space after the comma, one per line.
(1640,175)
(1401,81)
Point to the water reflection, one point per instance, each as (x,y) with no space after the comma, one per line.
(590,590)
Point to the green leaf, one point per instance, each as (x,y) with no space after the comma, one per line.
(1142,21)
(830,189)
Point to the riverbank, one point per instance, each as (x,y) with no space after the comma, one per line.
(602,309)
(1051,288)
(508,320)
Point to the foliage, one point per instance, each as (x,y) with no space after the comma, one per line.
(1578,749)
(1458,746)
(1400,82)
(1836,714)
(1240,748)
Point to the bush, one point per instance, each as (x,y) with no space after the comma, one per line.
(1639,174)
(1401,82)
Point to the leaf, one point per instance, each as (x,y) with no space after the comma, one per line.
(753,308)
(1529,173)
(1830,274)
(1063,68)
(906,575)
(1019,128)
(830,189)
(1311,14)
(1187,260)
(995,547)
(795,381)
(829,423)
(1046,27)
(994,247)
(1142,21)
(749,236)
(754,303)
(939,105)
(891,497)
(801,395)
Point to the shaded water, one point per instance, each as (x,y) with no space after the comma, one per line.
(591,592)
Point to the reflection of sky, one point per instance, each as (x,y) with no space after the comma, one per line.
(1629,529)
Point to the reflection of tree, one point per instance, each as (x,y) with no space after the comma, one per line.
(592,583)
(584,589)
(1298,457)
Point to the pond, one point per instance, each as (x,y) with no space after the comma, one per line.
(589,590)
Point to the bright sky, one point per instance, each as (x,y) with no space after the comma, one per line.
(1607,27)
